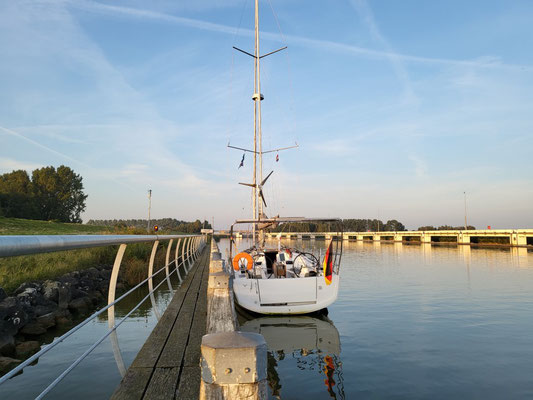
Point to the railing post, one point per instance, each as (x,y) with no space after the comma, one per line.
(113,285)
(111,310)
(196,248)
(189,254)
(177,258)
(150,279)
(167,264)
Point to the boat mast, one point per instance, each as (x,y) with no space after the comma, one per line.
(257,186)
(258,147)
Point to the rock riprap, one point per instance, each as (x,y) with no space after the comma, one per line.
(36,307)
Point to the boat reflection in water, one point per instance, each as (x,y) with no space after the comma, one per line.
(312,341)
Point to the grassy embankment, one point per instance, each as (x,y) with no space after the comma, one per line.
(16,270)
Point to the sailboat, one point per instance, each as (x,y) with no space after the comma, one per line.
(279,279)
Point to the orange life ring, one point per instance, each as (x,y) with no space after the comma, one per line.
(239,257)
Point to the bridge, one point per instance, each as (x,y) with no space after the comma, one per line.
(510,237)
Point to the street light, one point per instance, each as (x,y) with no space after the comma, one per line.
(466,225)
(149,209)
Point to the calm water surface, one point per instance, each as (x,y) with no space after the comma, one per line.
(411,322)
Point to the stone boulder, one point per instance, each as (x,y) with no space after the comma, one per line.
(43,309)
(32,329)
(12,318)
(81,305)
(25,286)
(64,295)
(7,364)
(27,349)
(92,273)
(47,320)
(50,290)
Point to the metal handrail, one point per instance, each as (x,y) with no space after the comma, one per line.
(18,245)
(102,338)
(46,349)
(34,244)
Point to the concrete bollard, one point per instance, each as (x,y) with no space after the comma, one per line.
(234,366)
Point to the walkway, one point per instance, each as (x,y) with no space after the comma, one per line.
(168,365)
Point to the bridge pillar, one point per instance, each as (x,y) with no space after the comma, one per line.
(376,238)
(299,237)
(463,238)
(398,238)
(328,236)
(360,237)
(518,240)
(424,238)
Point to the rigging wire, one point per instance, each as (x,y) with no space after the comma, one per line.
(289,70)
(232,109)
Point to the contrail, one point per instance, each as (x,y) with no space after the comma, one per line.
(303,41)
(42,146)
(57,153)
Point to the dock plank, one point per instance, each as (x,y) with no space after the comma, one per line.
(189,384)
(133,384)
(174,349)
(152,348)
(164,359)
(163,384)
(198,328)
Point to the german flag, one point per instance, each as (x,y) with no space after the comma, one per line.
(328,264)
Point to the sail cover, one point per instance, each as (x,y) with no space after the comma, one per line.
(328,264)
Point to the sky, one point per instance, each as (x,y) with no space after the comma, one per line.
(399,108)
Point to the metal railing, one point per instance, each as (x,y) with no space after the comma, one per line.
(190,245)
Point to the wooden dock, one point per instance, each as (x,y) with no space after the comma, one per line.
(168,364)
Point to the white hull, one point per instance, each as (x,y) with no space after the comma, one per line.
(285,296)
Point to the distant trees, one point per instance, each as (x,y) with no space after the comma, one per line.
(51,194)
(445,228)
(165,224)
(348,225)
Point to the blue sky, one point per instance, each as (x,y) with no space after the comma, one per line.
(398,106)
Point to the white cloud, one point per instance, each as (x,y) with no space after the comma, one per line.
(9,164)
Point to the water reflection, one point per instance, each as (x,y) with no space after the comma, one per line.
(313,343)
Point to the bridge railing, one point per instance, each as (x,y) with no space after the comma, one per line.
(190,246)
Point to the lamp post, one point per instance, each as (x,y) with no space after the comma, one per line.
(149,208)
(466,225)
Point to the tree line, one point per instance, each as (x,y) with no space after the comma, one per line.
(167,224)
(347,225)
(445,228)
(50,194)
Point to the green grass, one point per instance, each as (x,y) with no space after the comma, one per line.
(17,226)
(17,270)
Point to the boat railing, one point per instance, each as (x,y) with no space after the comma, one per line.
(187,250)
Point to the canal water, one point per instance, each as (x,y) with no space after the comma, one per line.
(411,322)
